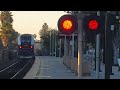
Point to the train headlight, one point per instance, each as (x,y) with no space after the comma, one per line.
(20,46)
(31,46)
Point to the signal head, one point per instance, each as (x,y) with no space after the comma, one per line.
(67,24)
(92,24)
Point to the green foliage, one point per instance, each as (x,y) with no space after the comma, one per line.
(35,36)
(45,37)
(44,30)
(1,43)
(8,34)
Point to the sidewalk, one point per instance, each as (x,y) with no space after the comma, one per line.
(102,74)
(48,67)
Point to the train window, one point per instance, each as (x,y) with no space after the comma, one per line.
(26,39)
(22,40)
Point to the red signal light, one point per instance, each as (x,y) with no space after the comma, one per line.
(67,24)
(93,24)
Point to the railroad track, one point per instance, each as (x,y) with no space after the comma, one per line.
(16,70)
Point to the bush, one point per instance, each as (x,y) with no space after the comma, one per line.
(38,52)
(1,45)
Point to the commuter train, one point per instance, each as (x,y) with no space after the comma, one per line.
(26,46)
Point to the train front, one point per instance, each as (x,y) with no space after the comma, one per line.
(26,46)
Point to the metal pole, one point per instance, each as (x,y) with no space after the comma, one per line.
(106,56)
(73,46)
(118,27)
(60,49)
(98,13)
(65,47)
(106,73)
(97,55)
(55,44)
(50,42)
(119,35)
(80,39)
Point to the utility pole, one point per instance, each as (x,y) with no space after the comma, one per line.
(80,41)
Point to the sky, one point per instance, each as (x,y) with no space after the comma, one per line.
(31,21)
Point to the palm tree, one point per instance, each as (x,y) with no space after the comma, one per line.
(6,26)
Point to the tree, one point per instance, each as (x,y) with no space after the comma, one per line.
(35,36)
(14,36)
(44,30)
(7,29)
(8,34)
(1,43)
(44,35)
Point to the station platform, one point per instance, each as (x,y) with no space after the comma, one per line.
(48,67)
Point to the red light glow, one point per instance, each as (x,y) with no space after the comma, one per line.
(93,24)
(67,24)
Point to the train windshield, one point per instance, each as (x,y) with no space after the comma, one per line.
(26,39)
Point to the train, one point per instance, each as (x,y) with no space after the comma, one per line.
(26,46)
